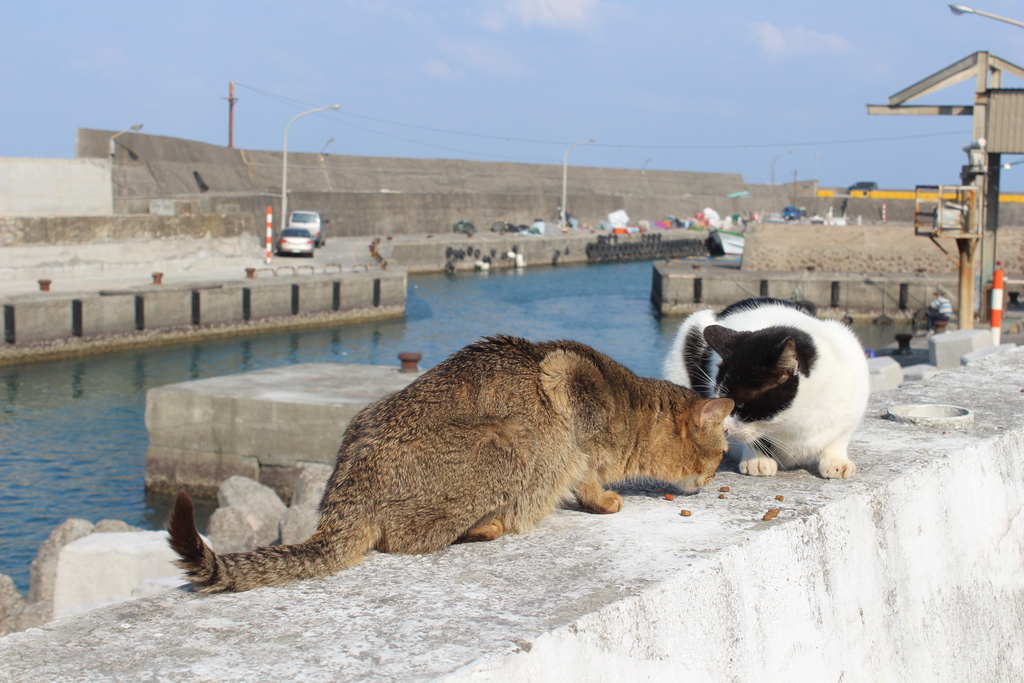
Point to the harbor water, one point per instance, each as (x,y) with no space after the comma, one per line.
(73,437)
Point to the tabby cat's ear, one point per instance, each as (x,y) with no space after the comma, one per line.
(714,410)
(721,339)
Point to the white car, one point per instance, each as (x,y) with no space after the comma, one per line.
(296,241)
(312,221)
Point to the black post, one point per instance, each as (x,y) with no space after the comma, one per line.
(9,337)
(196,317)
(246,304)
(698,290)
(764,288)
(336,296)
(376,292)
(295,299)
(904,295)
(76,317)
(835,294)
(140,312)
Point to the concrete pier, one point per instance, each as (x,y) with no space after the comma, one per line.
(265,425)
(681,287)
(909,571)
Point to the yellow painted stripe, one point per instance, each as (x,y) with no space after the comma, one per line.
(904,194)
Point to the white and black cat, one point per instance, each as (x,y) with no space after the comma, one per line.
(800,384)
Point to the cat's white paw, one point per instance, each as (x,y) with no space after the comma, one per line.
(759,466)
(837,468)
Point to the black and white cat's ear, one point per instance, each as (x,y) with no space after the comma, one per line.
(720,338)
(788,361)
(714,411)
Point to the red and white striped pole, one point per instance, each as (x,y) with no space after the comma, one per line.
(883,212)
(997,303)
(270,232)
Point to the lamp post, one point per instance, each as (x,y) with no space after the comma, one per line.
(565,178)
(284,162)
(113,145)
(326,145)
(773,172)
(960,9)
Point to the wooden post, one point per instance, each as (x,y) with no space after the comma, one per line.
(965,303)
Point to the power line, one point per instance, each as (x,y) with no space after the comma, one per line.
(506,138)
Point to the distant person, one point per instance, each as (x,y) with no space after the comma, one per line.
(939,310)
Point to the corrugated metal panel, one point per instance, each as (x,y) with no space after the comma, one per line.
(1006,122)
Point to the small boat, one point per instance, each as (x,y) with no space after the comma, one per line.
(724,243)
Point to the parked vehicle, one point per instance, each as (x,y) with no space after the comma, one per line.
(312,221)
(794,213)
(863,186)
(296,241)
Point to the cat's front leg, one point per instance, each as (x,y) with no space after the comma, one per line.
(834,463)
(593,497)
(756,463)
(485,532)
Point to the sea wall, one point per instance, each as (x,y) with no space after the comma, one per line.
(877,248)
(908,571)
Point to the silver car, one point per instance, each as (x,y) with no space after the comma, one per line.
(296,241)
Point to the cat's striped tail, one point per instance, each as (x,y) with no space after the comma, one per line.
(212,573)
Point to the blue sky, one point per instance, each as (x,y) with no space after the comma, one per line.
(723,86)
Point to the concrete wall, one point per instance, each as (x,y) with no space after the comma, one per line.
(889,248)
(910,571)
(51,316)
(679,289)
(55,187)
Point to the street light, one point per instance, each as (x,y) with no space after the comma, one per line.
(326,145)
(284,162)
(960,9)
(113,145)
(563,219)
(773,172)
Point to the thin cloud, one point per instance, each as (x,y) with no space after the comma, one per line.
(782,44)
(575,15)
(441,71)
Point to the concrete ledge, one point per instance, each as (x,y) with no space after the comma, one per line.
(914,373)
(972,356)
(909,571)
(884,373)
(945,350)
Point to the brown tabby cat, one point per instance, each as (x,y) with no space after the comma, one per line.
(486,443)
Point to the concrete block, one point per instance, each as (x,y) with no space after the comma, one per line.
(945,350)
(298,524)
(11,605)
(884,373)
(43,571)
(102,567)
(914,373)
(249,516)
(972,356)
(309,487)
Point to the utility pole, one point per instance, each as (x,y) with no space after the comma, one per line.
(231,113)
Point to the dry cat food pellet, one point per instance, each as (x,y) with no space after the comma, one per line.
(721,495)
(684,513)
(771,514)
(724,489)
(780,498)
(669,496)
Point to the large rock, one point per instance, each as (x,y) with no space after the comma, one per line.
(309,487)
(300,521)
(43,571)
(107,567)
(11,605)
(249,516)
